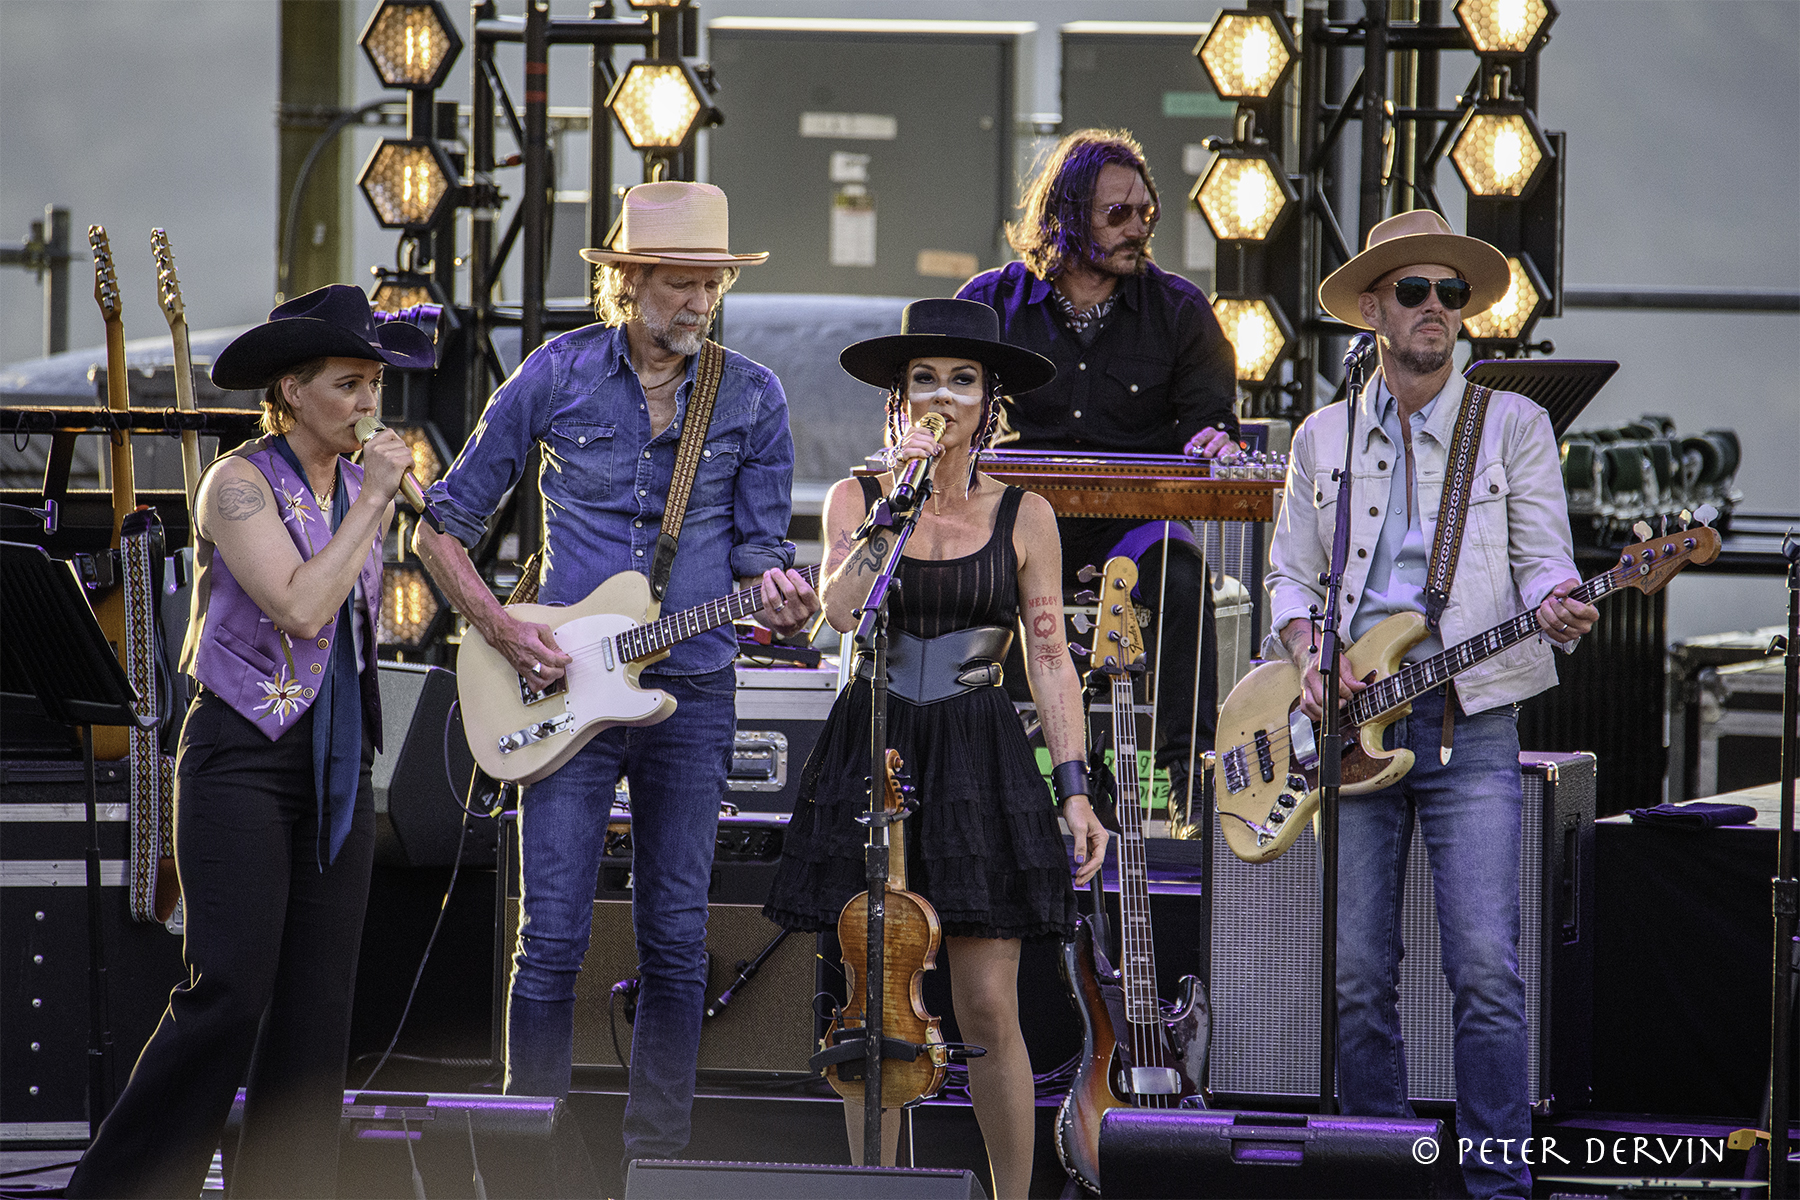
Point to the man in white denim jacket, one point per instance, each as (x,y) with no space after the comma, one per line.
(1412,285)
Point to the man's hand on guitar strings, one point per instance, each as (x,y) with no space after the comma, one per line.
(1313,692)
(531,649)
(1563,619)
(789,602)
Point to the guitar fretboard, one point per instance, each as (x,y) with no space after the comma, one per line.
(644,640)
(1137,949)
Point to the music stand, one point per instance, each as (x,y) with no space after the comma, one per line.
(1561,386)
(55,657)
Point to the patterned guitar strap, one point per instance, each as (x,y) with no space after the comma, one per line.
(154,887)
(1453,516)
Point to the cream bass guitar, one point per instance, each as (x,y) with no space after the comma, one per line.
(520,735)
(1266,774)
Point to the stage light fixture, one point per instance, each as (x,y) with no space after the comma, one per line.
(406,182)
(1246,55)
(398,294)
(1243,195)
(641,5)
(1504,27)
(410,606)
(1512,318)
(411,43)
(657,104)
(1500,151)
(1258,333)
(429,452)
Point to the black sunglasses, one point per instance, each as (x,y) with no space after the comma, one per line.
(1118,214)
(1412,290)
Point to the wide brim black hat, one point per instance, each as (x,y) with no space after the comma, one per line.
(946,328)
(332,322)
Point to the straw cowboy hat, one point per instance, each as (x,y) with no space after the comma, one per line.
(1419,236)
(332,322)
(682,224)
(945,328)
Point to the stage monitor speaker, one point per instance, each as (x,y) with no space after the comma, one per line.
(649,1179)
(1265,956)
(524,1146)
(1165,1154)
(422,774)
(768,1026)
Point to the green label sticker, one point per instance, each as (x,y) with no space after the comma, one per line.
(1197,104)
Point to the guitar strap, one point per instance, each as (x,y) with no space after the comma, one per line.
(1453,517)
(153,885)
(707,377)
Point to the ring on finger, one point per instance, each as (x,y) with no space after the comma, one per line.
(536,667)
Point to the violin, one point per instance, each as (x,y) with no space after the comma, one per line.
(909,949)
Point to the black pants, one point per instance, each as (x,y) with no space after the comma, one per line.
(271,948)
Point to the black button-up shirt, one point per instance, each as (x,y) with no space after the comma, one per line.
(1158,371)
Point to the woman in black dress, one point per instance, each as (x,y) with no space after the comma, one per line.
(984,846)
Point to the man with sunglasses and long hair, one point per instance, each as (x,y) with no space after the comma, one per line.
(1142,367)
(1414,285)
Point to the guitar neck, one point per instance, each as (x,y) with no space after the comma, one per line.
(1137,964)
(657,636)
(118,399)
(1415,679)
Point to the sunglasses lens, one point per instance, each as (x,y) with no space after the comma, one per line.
(1412,290)
(1453,292)
(1118,214)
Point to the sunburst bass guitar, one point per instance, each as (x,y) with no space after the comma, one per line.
(1266,773)
(520,735)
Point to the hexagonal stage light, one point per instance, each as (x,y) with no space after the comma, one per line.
(1504,27)
(410,606)
(1511,319)
(406,182)
(1500,152)
(1258,333)
(1243,195)
(1246,55)
(657,104)
(397,295)
(411,43)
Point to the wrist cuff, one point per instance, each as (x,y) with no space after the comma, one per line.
(1069,779)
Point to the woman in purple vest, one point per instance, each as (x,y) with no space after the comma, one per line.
(274,816)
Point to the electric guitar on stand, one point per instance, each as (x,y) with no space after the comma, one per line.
(168,296)
(1266,774)
(519,735)
(113,742)
(1135,1052)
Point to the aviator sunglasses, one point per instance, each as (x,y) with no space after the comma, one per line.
(1117,214)
(1412,290)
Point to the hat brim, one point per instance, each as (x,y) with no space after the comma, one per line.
(1483,266)
(876,360)
(259,356)
(698,259)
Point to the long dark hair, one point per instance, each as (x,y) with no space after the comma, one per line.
(1056,225)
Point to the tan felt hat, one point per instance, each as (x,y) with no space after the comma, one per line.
(1419,236)
(683,224)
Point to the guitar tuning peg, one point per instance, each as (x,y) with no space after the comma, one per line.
(1088,573)
(1080,651)
(1705,514)
(1642,530)
(1663,530)
(1685,517)
(1086,596)
(1081,622)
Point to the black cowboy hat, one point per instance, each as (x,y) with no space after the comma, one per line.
(332,322)
(944,328)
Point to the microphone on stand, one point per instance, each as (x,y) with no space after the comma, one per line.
(367,428)
(1360,348)
(918,470)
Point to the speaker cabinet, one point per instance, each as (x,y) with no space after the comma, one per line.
(653,1180)
(1265,955)
(422,774)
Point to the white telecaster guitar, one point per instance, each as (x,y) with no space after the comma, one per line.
(518,735)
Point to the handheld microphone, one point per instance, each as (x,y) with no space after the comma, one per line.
(1360,348)
(367,428)
(918,470)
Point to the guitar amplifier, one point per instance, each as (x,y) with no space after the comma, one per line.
(1264,980)
(780,713)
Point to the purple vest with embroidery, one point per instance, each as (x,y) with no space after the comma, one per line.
(234,649)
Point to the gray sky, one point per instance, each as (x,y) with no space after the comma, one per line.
(1684,168)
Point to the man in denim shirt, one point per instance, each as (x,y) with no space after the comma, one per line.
(1142,367)
(1413,285)
(605,405)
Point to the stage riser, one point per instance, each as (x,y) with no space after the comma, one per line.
(794,1181)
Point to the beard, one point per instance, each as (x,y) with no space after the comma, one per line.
(680,334)
(1123,258)
(1420,360)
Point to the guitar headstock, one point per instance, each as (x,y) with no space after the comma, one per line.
(168,287)
(106,280)
(1118,641)
(895,795)
(1650,564)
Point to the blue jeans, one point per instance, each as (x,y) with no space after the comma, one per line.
(1470,815)
(677,771)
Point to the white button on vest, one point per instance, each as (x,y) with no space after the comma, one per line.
(1081,366)
(1078,412)
(1134,387)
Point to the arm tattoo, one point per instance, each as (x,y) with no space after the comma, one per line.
(1043,625)
(1053,656)
(874,555)
(239,500)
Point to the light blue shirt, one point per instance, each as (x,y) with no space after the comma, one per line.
(1400,558)
(605,479)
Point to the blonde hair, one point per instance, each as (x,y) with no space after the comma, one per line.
(616,285)
(277,414)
